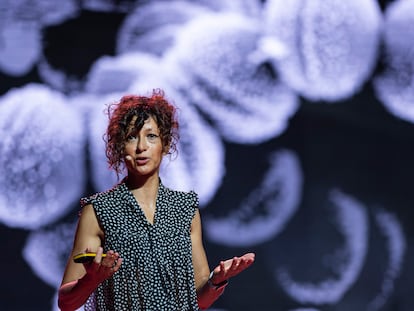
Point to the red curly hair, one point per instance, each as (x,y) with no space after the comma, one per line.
(120,115)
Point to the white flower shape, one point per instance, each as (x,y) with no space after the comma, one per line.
(41,156)
(396,246)
(152,27)
(266,211)
(121,6)
(116,74)
(353,224)
(395,86)
(219,71)
(330,46)
(21,23)
(47,252)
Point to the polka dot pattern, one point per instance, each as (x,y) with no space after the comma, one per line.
(157,271)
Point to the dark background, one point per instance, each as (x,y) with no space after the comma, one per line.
(355,145)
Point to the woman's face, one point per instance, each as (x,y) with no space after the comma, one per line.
(144,148)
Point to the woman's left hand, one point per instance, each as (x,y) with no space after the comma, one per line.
(231,267)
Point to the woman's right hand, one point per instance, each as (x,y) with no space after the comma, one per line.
(102,268)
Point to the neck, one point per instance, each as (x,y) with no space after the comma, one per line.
(144,189)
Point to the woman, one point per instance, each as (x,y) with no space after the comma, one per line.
(154,256)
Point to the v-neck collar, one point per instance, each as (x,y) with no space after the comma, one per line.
(133,201)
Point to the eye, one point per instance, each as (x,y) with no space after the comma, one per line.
(131,137)
(152,136)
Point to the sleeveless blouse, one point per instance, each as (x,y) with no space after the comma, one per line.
(157,271)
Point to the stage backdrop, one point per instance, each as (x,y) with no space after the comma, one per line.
(296,132)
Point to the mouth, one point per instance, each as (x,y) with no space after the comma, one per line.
(141,161)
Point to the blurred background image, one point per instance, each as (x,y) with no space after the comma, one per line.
(296,132)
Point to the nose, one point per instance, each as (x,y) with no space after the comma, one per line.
(141,145)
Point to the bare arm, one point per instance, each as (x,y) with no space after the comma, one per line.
(207,291)
(200,263)
(80,280)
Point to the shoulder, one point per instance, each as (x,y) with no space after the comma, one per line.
(103,196)
(186,197)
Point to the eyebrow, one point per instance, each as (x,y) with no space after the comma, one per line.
(150,128)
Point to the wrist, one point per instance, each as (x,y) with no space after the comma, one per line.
(216,286)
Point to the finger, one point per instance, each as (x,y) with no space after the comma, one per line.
(249,256)
(109,271)
(235,264)
(98,257)
(110,259)
(130,160)
(249,259)
(217,270)
(117,265)
(222,267)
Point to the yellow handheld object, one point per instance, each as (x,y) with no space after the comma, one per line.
(85,257)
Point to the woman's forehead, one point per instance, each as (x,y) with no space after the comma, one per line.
(149,123)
